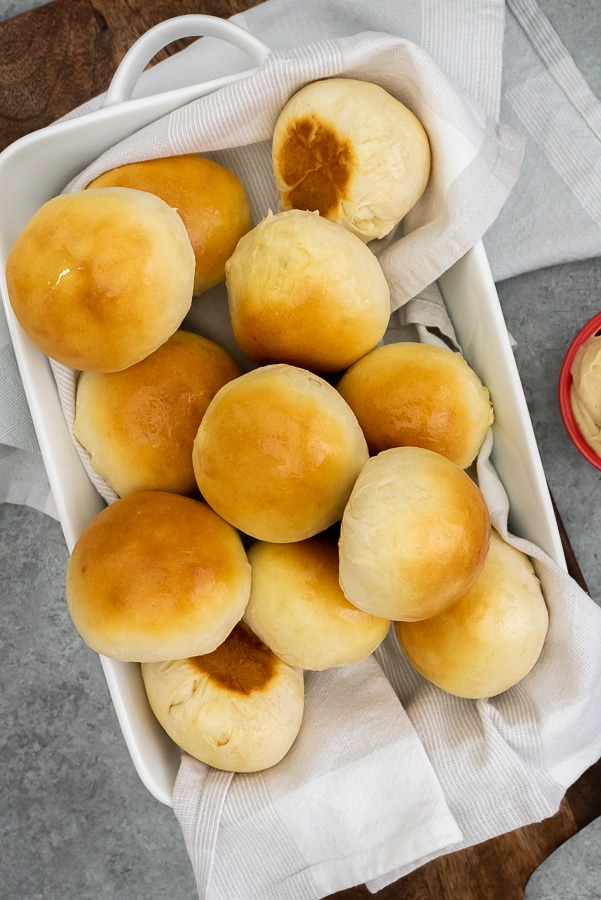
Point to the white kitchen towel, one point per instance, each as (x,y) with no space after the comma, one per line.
(512,756)
(554,215)
(354,798)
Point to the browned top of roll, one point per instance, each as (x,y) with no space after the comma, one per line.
(209,198)
(157,576)
(420,395)
(305,291)
(100,279)
(139,425)
(277,453)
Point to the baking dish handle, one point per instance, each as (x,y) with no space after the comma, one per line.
(156,38)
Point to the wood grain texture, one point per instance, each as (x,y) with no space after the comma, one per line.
(56,57)
(60,55)
(51,60)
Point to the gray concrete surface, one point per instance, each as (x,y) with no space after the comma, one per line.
(75,821)
(10,8)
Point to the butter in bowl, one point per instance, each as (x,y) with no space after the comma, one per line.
(580,391)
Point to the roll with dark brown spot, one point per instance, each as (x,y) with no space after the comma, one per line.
(354,152)
(239,708)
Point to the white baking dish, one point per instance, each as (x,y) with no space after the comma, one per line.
(39,166)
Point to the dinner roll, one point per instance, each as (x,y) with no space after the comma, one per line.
(491,637)
(414,535)
(239,708)
(419,395)
(139,425)
(352,151)
(277,453)
(304,291)
(100,279)
(209,198)
(157,576)
(297,608)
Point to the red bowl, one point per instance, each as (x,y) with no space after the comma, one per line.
(592,327)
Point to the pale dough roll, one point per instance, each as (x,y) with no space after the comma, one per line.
(419,395)
(304,291)
(157,576)
(491,638)
(297,608)
(100,279)
(239,708)
(414,535)
(354,152)
(277,453)
(139,425)
(209,198)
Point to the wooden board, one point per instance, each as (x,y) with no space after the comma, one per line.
(56,57)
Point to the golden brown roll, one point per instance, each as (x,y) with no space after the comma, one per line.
(239,708)
(100,279)
(277,453)
(304,291)
(297,608)
(419,395)
(139,425)
(414,535)
(491,638)
(209,198)
(157,576)
(352,151)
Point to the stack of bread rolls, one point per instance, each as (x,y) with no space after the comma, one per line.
(279,519)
